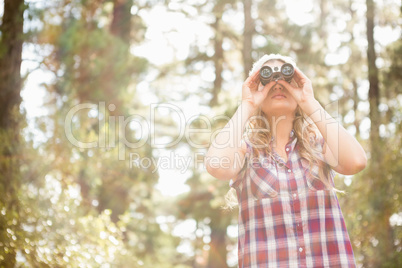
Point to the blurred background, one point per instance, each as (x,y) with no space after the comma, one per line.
(107,108)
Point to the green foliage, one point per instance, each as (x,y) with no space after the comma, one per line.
(96,64)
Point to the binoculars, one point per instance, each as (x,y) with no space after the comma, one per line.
(286,73)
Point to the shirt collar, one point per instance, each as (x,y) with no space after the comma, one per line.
(291,142)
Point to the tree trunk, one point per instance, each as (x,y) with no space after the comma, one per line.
(354,56)
(121,28)
(374,94)
(10,62)
(10,117)
(384,233)
(355,105)
(323,16)
(218,60)
(217,252)
(247,37)
(121,23)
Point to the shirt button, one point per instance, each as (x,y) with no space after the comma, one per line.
(300,249)
(294,195)
(289,170)
(287,149)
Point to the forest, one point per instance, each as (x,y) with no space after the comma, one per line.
(107,108)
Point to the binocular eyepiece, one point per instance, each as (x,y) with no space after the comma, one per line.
(286,73)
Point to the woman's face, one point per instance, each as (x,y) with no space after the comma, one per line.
(278,106)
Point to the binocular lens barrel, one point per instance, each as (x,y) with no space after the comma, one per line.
(265,74)
(286,73)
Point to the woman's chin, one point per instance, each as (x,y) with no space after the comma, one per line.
(279,110)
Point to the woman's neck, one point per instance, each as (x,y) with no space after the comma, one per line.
(281,128)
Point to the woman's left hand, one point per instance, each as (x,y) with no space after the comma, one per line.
(302,91)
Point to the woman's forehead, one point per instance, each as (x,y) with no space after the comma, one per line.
(273,63)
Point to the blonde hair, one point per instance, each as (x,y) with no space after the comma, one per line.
(307,135)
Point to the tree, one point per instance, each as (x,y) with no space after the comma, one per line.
(10,126)
(248,37)
(374,92)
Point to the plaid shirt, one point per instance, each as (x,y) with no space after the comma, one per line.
(287,218)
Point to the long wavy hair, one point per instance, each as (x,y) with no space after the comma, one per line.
(258,132)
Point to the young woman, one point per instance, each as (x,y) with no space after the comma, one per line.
(279,151)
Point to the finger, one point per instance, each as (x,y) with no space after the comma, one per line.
(256,77)
(302,78)
(253,81)
(268,86)
(297,77)
(294,83)
(253,86)
(253,76)
(286,85)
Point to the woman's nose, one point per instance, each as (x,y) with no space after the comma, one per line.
(278,86)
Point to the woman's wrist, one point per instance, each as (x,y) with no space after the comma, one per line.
(247,107)
(310,106)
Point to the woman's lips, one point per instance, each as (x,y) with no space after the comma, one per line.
(279,97)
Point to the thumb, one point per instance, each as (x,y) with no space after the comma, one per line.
(286,85)
(268,87)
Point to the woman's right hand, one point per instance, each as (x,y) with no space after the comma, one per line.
(253,92)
